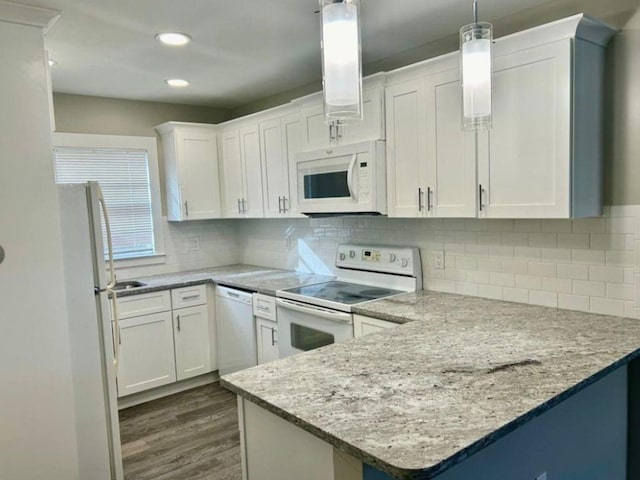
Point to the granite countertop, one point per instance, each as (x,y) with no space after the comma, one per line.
(415,400)
(247,277)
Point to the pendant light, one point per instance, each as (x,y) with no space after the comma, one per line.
(341,61)
(475,47)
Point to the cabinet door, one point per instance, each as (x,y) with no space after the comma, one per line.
(231,173)
(252,171)
(192,344)
(197,154)
(524,161)
(267,333)
(291,139)
(372,125)
(315,132)
(451,151)
(365,325)
(146,353)
(275,168)
(406,148)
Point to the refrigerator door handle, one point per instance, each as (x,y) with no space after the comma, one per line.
(105,214)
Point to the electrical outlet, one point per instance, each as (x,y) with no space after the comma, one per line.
(438,260)
(193,244)
(542,476)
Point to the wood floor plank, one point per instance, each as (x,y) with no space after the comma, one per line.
(190,435)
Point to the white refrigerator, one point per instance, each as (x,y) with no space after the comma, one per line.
(94,352)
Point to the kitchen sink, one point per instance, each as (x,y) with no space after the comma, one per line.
(127,285)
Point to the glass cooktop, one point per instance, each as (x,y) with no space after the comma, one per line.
(344,292)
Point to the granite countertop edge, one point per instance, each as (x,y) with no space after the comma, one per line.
(228,276)
(432,471)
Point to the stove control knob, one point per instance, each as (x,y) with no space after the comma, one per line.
(392,257)
(404,262)
(343,256)
(352,254)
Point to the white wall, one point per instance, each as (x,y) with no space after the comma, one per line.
(37,427)
(587,264)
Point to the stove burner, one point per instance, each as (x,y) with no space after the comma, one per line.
(375,292)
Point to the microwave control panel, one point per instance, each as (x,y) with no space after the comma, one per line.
(363,180)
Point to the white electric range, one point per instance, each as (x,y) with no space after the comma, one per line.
(316,315)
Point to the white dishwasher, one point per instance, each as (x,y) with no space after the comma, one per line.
(236,330)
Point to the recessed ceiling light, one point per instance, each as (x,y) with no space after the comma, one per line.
(174,39)
(176,82)
(52,62)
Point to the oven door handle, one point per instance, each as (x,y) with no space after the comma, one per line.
(324,313)
(352,165)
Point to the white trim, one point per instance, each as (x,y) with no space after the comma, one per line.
(145,261)
(28,15)
(149,144)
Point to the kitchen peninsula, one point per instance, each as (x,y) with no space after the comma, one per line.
(499,389)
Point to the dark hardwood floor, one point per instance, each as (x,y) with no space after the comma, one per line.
(190,435)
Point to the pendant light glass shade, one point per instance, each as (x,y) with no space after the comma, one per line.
(341,61)
(475,48)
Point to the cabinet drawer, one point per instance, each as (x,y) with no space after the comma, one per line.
(144,304)
(189,296)
(264,306)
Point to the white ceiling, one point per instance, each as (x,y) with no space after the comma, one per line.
(242,50)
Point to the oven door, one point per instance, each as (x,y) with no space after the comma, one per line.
(338,180)
(303,327)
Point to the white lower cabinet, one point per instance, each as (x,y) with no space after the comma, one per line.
(191,338)
(267,335)
(365,325)
(160,348)
(146,353)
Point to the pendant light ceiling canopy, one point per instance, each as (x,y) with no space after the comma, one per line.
(341,61)
(475,51)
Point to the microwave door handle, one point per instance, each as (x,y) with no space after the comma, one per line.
(339,317)
(352,165)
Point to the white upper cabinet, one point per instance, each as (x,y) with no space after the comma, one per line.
(279,142)
(316,134)
(191,171)
(242,172)
(543,156)
(431,164)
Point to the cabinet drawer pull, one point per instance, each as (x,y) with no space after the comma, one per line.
(480,194)
(419,199)
(178,320)
(191,297)
(284,204)
(186,208)
(429,192)
(273,337)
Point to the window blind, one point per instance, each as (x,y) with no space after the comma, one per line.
(124,179)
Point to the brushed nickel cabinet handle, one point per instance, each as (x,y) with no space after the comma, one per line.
(186,208)
(178,320)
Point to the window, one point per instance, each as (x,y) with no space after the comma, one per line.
(124,167)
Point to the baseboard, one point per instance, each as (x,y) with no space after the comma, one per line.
(166,390)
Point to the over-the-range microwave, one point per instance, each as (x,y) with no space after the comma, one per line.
(346,179)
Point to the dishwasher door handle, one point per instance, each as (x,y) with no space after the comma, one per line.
(325,313)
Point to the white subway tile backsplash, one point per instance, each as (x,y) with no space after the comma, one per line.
(561,285)
(575,271)
(573,240)
(490,291)
(546,299)
(593,257)
(590,225)
(543,269)
(592,289)
(502,279)
(548,240)
(529,282)
(606,274)
(573,302)
(621,225)
(585,264)
(519,295)
(606,306)
(620,291)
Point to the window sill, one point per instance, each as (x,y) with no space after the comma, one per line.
(157,259)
